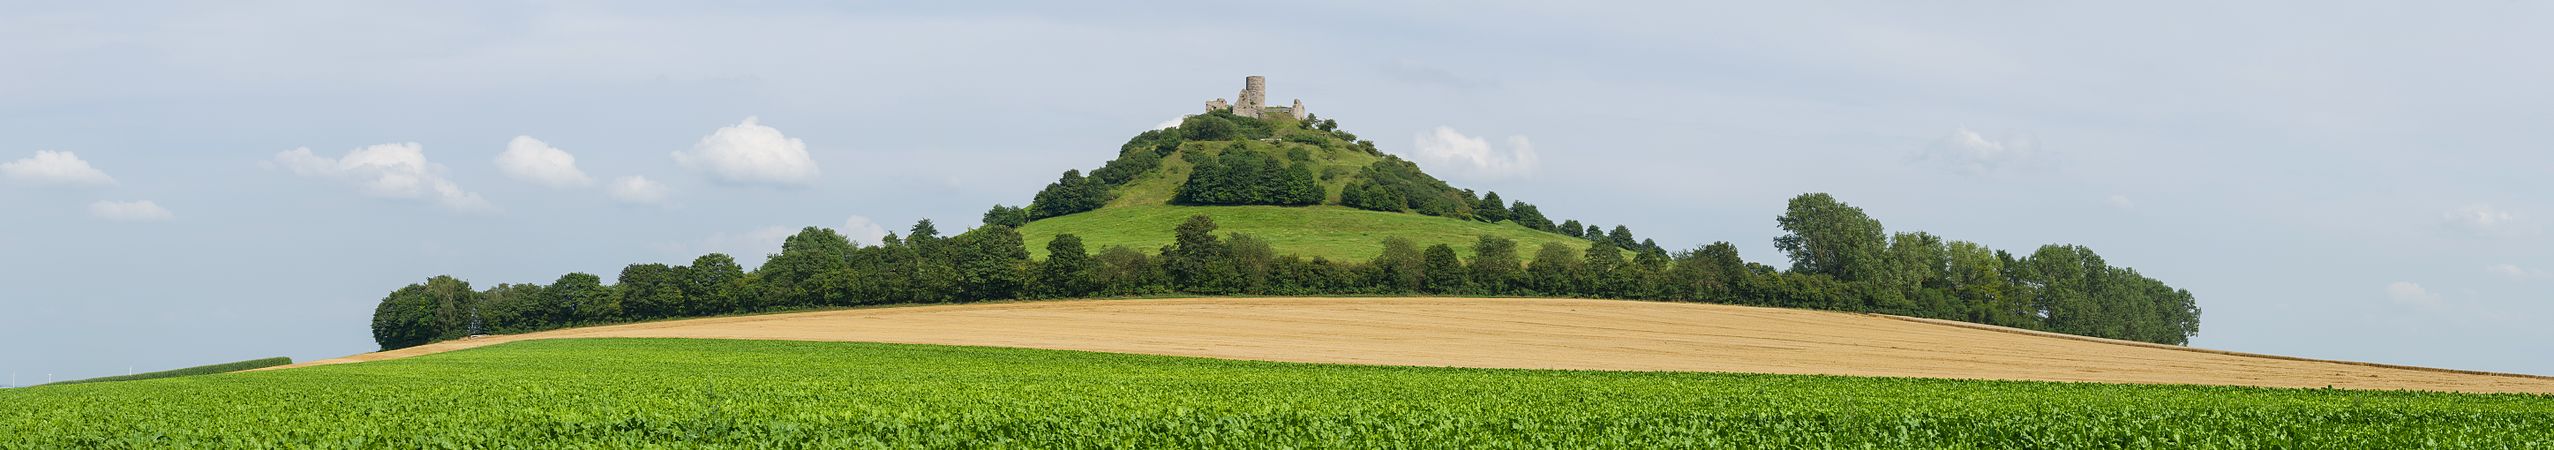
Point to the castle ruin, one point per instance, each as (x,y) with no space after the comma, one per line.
(1253,101)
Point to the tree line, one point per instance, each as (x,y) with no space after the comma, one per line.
(1840,261)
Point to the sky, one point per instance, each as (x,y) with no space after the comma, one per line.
(187,183)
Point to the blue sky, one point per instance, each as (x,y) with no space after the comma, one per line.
(189,183)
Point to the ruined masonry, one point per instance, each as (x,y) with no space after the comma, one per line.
(1253,102)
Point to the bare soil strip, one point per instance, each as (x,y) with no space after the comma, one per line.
(1542,334)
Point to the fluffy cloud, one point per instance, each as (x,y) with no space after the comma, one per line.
(2482,220)
(55,168)
(1474,157)
(398,171)
(2408,293)
(2514,272)
(1968,152)
(531,160)
(133,211)
(637,190)
(750,153)
(1169,124)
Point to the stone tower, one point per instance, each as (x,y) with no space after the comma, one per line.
(1254,97)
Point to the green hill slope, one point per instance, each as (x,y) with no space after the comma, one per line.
(633,393)
(1306,187)
(1327,231)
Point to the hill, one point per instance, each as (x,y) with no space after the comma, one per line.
(1543,334)
(1305,186)
(1327,231)
(688,393)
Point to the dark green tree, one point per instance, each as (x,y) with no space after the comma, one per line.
(650,291)
(1193,253)
(1444,271)
(713,285)
(1495,267)
(813,268)
(1068,272)
(1400,268)
(1572,228)
(1829,237)
(1556,270)
(1490,208)
(991,263)
(1009,216)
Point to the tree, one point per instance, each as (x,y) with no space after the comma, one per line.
(1126,271)
(1606,274)
(991,263)
(1070,193)
(582,298)
(1595,233)
(1556,270)
(1193,251)
(812,268)
(1009,216)
(514,308)
(1621,237)
(1828,237)
(406,318)
(1444,271)
(1495,268)
(1068,271)
(1572,228)
(1490,208)
(1529,216)
(712,284)
(1400,268)
(651,291)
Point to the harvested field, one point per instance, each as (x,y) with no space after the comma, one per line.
(1541,334)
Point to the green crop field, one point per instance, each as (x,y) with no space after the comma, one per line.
(1328,231)
(634,393)
(208,369)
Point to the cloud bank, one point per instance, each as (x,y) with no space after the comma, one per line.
(1473,157)
(531,160)
(751,153)
(55,168)
(395,171)
(1968,152)
(636,189)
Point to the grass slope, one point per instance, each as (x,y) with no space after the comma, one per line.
(1338,233)
(632,393)
(207,369)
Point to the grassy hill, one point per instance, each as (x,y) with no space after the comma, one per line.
(632,393)
(1327,231)
(1142,208)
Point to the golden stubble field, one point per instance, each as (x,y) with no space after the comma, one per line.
(1540,334)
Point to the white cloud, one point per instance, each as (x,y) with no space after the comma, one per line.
(55,168)
(1169,124)
(637,190)
(2408,293)
(133,211)
(750,153)
(2121,202)
(862,231)
(398,170)
(1474,157)
(1967,151)
(2482,220)
(2514,272)
(531,160)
